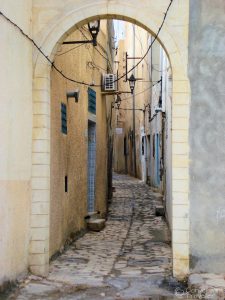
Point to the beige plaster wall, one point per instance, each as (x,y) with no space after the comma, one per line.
(16,138)
(135,44)
(119,160)
(69,152)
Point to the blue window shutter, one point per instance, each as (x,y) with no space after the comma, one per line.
(63,118)
(91,101)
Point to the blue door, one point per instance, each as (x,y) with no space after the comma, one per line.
(91,165)
(157,160)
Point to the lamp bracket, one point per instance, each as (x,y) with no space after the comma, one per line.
(78,42)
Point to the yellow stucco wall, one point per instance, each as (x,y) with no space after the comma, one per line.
(69,152)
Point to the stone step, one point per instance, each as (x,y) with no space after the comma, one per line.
(96,224)
(93,215)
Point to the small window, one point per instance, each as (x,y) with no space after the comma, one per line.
(66,184)
(91,101)
(63,118)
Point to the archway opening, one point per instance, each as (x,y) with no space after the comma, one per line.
(137,118)
(180,261)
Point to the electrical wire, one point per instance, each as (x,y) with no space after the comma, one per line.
(159,70)
(142,49)
(94,66)
(139,39)
(70,49)
(106,58)
(47,58)
(83,82)
(131,97)
(139,93)
(101,47)
(150,46)
(145,81)
(98,43)
(139,109)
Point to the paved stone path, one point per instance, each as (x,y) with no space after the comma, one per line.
(207,285)
(130,258)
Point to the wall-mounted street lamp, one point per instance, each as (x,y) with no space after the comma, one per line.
(132,81)
(73,94)
(94,27)
(118,101)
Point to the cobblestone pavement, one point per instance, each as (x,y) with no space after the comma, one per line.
(129,259)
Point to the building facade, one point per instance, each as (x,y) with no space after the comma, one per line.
(132,109)
(147,112)
(79,135)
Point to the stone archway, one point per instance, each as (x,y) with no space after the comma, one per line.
(52,23)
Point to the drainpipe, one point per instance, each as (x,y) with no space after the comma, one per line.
(134,127)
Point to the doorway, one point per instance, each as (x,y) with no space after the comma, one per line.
(91,165)
(144,157)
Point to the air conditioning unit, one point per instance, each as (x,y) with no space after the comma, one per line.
(109,82)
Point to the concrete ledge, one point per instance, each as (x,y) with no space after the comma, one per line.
(96,224)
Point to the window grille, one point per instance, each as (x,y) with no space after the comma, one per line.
(91,101)
(63,118)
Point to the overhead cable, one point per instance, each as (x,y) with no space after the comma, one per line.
(71,49)
(47,58)
(141,92)
(151,44)
(83,82)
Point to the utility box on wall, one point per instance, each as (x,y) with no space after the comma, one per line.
(109,83)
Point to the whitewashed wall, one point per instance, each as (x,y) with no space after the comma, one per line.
(16,138)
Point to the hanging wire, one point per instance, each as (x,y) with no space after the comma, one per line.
(47,58)
(139,109)
(141,92)
(70,50)
(142,49)
(83,82)
(106,58)
(151,44)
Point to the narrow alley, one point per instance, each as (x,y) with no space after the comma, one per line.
(129,258)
